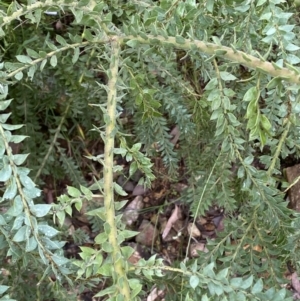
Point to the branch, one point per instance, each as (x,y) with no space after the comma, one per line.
(118,261)
(290,74)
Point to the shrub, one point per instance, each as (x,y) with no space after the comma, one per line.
(223,72)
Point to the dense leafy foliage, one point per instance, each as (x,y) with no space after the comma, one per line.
(125,73)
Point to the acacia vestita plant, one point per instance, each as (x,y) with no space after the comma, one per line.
(224,72)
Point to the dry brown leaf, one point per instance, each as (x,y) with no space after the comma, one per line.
(139,190)
(195,248)
(193,230)
(295,282)
(175,133)
(131,212)
(173,218)
(147,235)
(155,294)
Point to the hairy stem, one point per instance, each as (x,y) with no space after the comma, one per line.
(289,74)
(118,260)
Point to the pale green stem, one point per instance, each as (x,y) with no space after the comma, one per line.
(289,75)
(278,149)
(118,260)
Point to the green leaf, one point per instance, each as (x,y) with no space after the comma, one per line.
(248,160)
(11,190)
(233,119)
(47,230)
(20,158)
(203,298)
(61,215)
(292,47)
(180,40)
(227,76)
(133,168)
(213,83)
(251,94)
(194,281)
(26,181)
(88,35)
(40,210)
(17,138)
(87,192)
(43,63)
(120,205)
(265,122)
(222,274)
(17,207)
(12,127)
(119,190)
(120,151)
(61,40)
(109,290)
(73,192)
(136,286)
(42,255)
(107,247)
(4,104)
(215,289)
(236,282)
(78,205)
(101,238)
(21,234)
(53,61)
(132,43)
(247,282)
(31,244)
(5,172)
(2,221)
(18,222)
(257,288)
(105,270)
(19,75)
(271,31)
(136,147)
(3,288)
(75,56)
(32,192)
(4,117)
(78,15)
(127,251)
(210,5)
(2,148)
(261,2)
(274,82)
(53,245)
(128,233)
(24,59)
(32,53)
(59,260)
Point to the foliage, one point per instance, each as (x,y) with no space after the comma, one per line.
(224,72)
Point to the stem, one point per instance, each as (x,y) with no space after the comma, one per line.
(278,149)
(247,60)
(290,74)
(250,61)
(118,260)
(57,132)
